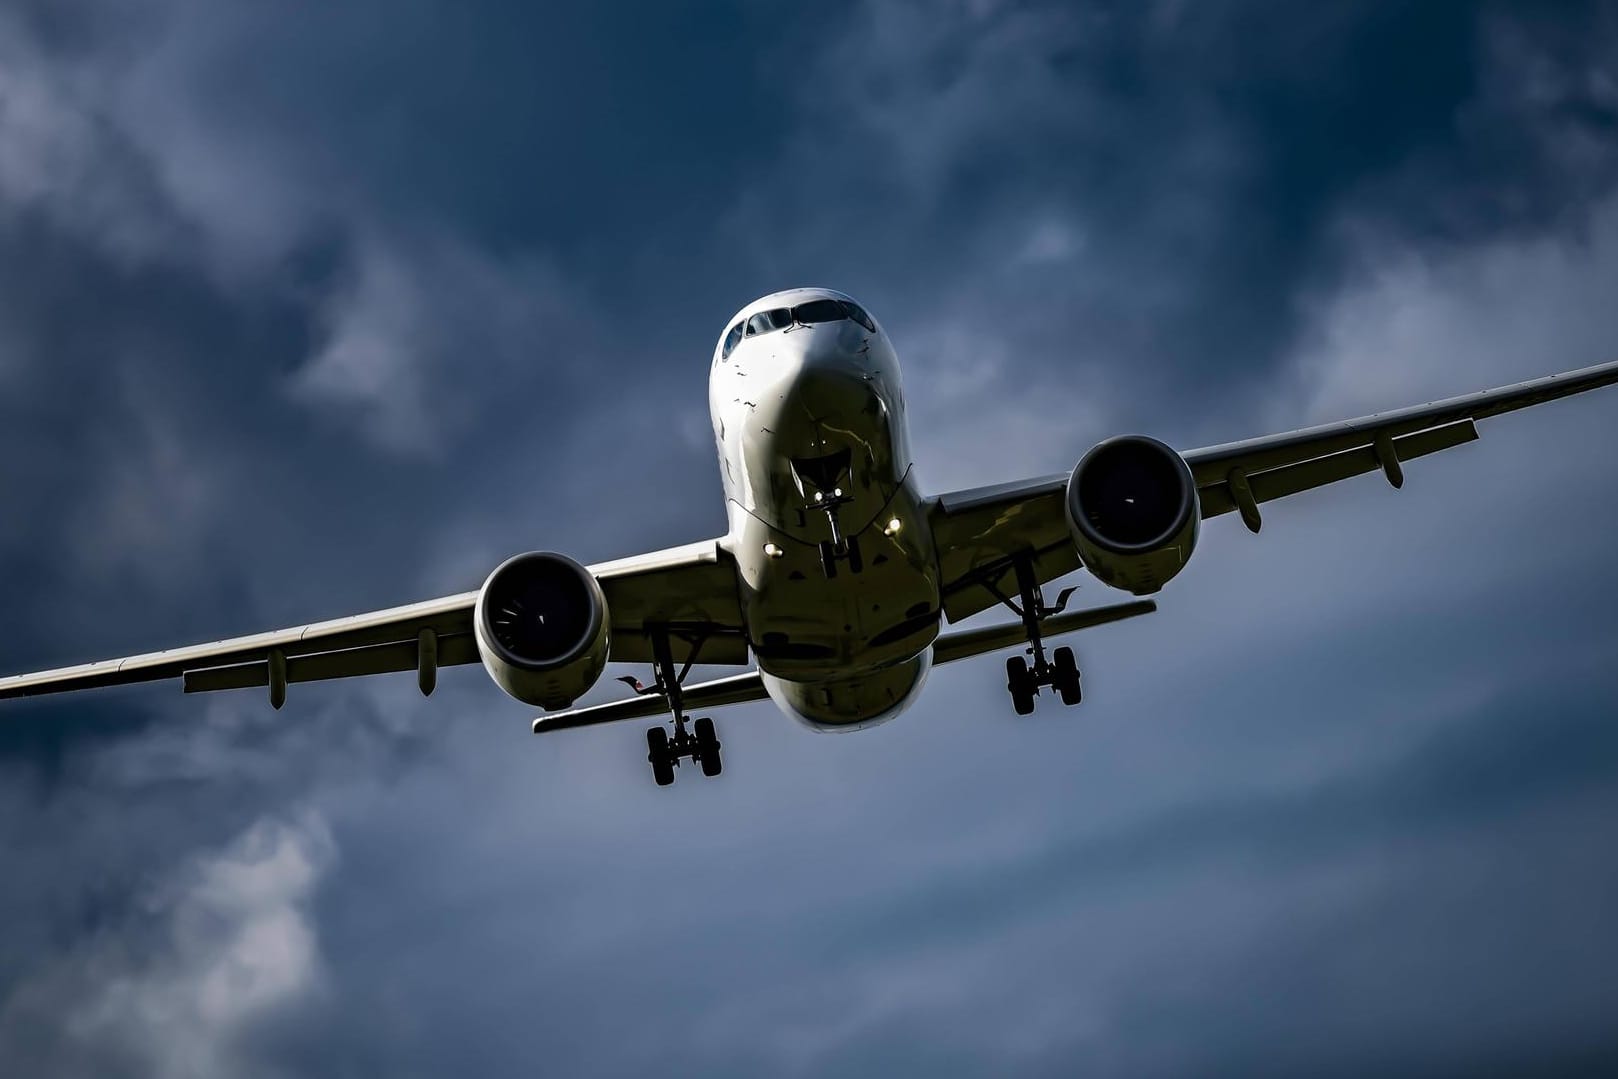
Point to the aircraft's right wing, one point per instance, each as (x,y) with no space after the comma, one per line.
(741,688)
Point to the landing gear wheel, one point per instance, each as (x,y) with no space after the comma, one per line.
(707,748)
(657,746)
(856,562)
(1021,684)
(1065,676)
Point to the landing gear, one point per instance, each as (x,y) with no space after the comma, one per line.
(664,751)
(1061,672)
(839,548)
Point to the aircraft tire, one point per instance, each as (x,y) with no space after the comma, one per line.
(1021,685)
(1068,683)
(657,745)
(708,748)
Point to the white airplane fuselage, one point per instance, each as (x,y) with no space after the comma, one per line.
(837,573)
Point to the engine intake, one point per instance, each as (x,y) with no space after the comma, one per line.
(542,628)
(1132,510)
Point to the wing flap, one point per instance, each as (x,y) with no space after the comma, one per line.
(1212,464)
(1280,482)
(344,663)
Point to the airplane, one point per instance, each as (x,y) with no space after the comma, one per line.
(836,575)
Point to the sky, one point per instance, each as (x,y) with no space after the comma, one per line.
(307,310)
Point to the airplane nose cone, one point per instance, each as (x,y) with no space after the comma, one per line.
(829,390)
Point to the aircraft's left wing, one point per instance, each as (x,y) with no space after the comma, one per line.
(980,532)
(691,587)
(1240,475)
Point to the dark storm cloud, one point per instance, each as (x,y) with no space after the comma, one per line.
(1167,183)
(308,315)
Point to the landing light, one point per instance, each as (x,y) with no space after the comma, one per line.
(772,551)
(894,524)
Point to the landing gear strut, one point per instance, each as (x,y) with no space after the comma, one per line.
(839,548)
(1061,672)
(701,744)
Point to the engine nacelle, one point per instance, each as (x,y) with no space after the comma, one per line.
(542,628)
(1132,508)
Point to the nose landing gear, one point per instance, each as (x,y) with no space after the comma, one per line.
(839,548)
(1061,672)
(701,744)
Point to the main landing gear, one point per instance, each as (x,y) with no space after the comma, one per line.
(701,744)
(1061,672)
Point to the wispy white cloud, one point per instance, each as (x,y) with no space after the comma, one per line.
(228,944)
(427,329)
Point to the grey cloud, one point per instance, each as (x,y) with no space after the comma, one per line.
(125,150)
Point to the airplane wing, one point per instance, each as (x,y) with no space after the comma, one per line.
(693,587)
(741,688)
(980,531)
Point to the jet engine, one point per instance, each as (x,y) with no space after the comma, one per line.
(542,629)
(1132,508)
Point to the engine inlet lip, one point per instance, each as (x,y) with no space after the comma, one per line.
(1189,506)
(486,639)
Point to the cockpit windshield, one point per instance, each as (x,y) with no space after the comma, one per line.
(819,311)
(804,314)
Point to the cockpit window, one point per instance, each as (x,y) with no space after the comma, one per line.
(857,313)
(819,311)
(805,314)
